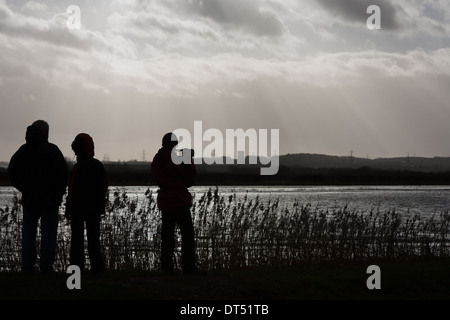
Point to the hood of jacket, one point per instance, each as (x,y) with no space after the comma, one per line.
(83,146)
(35,135)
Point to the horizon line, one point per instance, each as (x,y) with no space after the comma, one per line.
(280,155)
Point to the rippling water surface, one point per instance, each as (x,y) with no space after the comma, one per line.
(424,200)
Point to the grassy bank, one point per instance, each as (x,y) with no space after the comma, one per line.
(234,233)
(420,280)
(286,256)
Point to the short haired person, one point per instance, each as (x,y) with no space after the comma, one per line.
(175,201)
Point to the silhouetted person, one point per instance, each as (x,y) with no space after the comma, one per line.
(175,201)
(39,171)
(85,203)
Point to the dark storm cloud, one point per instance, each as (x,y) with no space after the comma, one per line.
(249,15)
(356,11)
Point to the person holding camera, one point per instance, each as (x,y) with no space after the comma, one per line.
(175,202)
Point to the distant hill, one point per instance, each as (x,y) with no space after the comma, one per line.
(322,161)
(316,161)
(303,169)
(295,169)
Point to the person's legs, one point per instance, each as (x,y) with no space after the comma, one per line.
(77,242)
(167,240)
(94,248)
(29,229)
(184,221)
(49,230)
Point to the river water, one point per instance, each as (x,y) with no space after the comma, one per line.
(423,200)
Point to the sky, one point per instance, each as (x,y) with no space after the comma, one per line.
(312,69)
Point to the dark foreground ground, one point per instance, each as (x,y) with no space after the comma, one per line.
(398,280)
(286,289)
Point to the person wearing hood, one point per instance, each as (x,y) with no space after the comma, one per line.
(85,203)
(39,171)
(175,201)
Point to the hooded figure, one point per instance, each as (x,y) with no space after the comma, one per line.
(85,203)
(39,171)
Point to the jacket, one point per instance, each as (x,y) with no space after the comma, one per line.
(173,181)
(39,171)
(88,184)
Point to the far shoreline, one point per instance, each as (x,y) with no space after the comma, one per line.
(286,176)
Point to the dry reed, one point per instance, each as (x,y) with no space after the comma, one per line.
(234,232)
